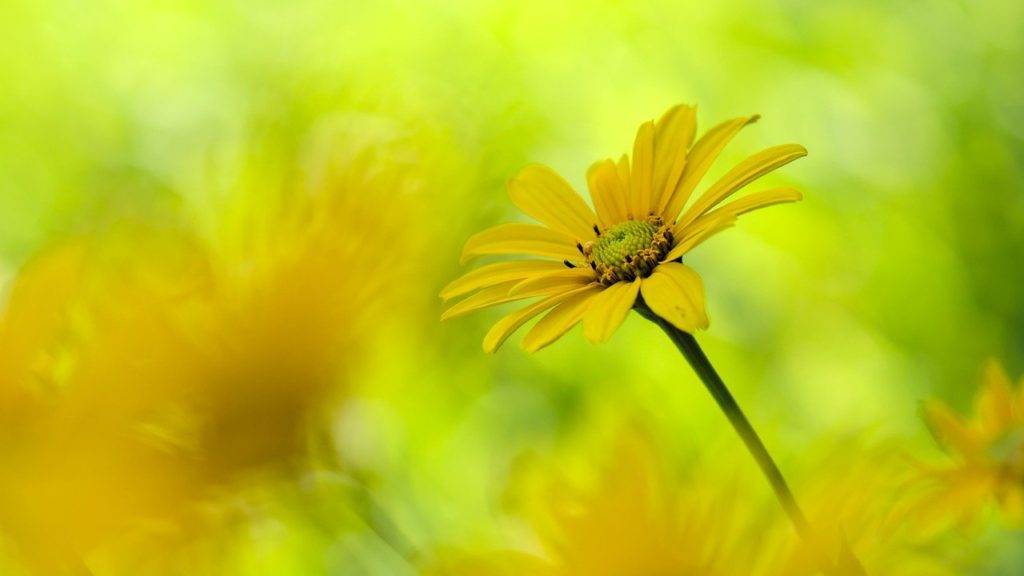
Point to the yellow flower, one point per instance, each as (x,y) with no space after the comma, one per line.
(632,515)
(988,451)
(625,516)
(148,375)
(593,266)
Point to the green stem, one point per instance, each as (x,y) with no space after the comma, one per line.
(693,353)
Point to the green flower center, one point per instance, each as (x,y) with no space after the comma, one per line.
(624,239)
(628,250)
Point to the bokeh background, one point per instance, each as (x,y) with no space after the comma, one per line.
(310,170)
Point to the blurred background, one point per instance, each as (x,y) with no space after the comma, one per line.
(224,226)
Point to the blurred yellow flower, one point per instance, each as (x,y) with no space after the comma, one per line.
(75,467)
(853,499)
(594,266)
(152,369)
(988,450)
(628,518)
(633,515)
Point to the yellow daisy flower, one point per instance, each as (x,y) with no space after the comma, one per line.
(594,265)
(988,449)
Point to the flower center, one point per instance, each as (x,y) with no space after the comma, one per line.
(629,249)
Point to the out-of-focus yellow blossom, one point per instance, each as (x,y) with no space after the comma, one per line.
(149,369)
(988,453)
(635,517)
(596,265)
(853,501)
(80,461)
(629,518)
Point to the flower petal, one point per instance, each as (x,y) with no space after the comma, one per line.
(608,193)
(560,320)
(689,235)
(489,296)
(509,324)
(705,227)
(497,273)
(34,314)
(744,173)
(700,157)
(500,294)
(521,239)
(541,193)
(572,277)
(673,137)
(623,169)
(995,408)
(642,174)
(608,310)
(951,431)
(756,201)
(675,292)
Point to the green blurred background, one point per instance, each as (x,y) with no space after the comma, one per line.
(832,319)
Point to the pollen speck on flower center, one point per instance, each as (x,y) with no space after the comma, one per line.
(629,249)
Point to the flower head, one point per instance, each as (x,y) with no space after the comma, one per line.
(988,450)
(592,265)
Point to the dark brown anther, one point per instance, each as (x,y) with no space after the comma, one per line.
(579,247)
(597,230)
(568,264)
(593,265)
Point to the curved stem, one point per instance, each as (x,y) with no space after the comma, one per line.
(693,353)
(847,564)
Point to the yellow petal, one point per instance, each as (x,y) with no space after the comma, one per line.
(689,237)
(623,169)
(675,292)
(541,193)
(559,321)
(608,310)
(968,492)
(756,201)
(950,430)
(490,296)
(569,277)
(35,313)
(608,193)
(995,403)
(700,157)
(497,273)
(509,324)
(511,291)
(521,239)
(744,173)
(643,171)
(672,139)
